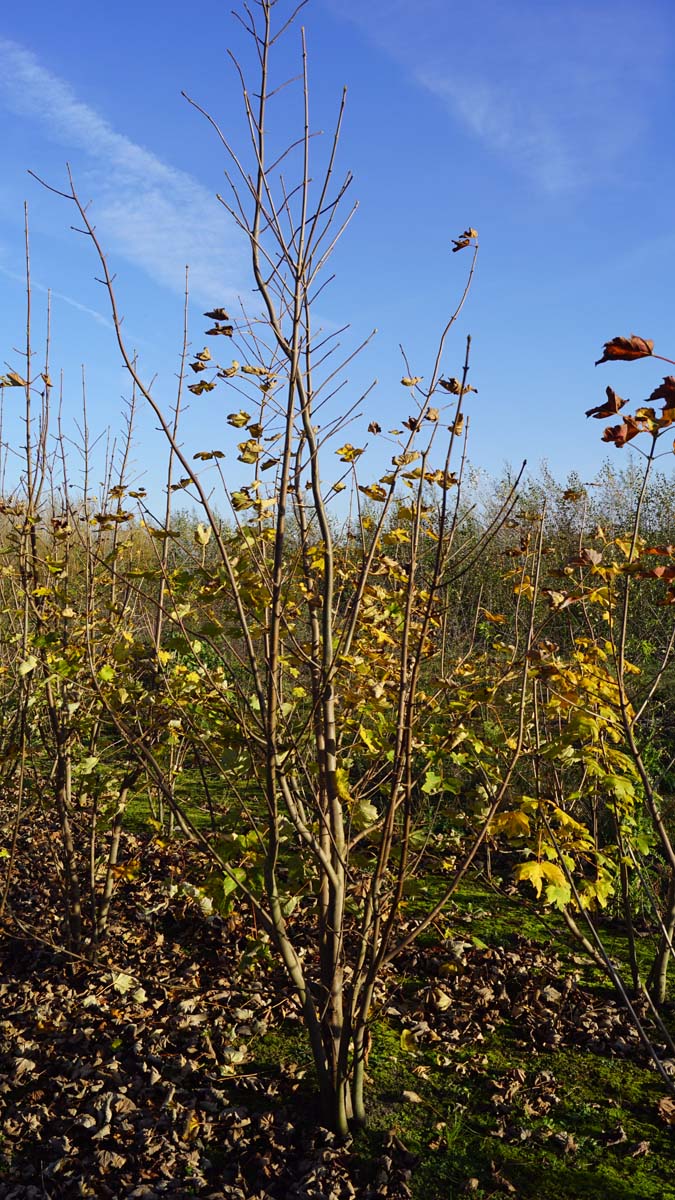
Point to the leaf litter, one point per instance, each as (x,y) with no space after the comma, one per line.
(138,1077)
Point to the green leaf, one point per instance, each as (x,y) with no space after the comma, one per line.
(231,882)
(558,895)
(432,782)
(364,815)
(106,673)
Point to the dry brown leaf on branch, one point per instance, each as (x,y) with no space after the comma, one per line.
(626,349)
(611,406)
(620,434)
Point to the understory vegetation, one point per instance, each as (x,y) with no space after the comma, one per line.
(338,802)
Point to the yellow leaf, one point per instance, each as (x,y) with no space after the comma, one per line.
(238,419)
(349,453)
(367,739)
(240,501)
(531,872)
(513,824)
(553,874)
(493,618)
(202,386)
(202,535)
(374,492)
(249,451)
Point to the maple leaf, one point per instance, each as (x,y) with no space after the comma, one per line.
(626,349)
(611,405)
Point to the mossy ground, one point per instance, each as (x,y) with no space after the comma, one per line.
(602,1137)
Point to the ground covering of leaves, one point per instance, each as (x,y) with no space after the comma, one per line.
(148,1074)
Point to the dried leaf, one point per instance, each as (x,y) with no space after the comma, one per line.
(612,405)
(621,434)
(239,419)
(626,349)
(224,330)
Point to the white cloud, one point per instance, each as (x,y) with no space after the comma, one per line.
(159,217)
(40,287)
(562,91)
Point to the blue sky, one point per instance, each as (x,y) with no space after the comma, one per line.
(545,125)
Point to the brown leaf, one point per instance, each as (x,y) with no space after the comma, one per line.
(665,391)
(620,434)
(451,385)
(667,1109)
(614,1137)
(463,240)
(217,314)
(626,349)
(611,406)
(374,427)
(224,330)
(501,1179)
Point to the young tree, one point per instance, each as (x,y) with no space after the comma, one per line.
(316,692)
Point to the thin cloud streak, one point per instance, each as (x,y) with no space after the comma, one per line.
(561,91)
(41,287)
(157,216)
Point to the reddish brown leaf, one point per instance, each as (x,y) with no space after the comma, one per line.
(626,349)
(665,391)
(665,573)
(611,406)
(620,434)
